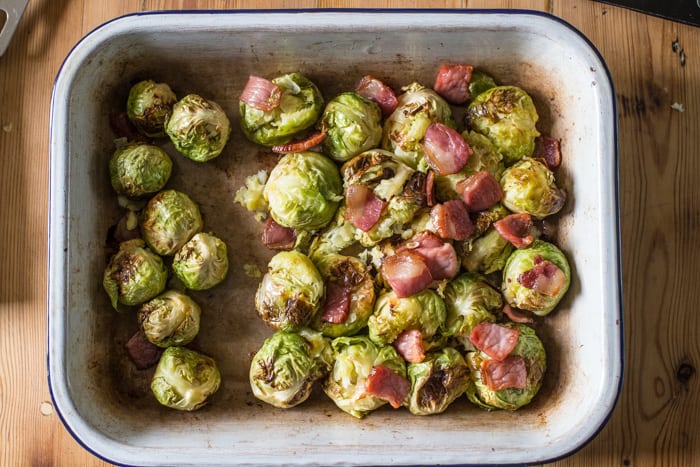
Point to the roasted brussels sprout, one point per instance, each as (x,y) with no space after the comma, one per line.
(469,299)
(528,353)
(303,191)
(290,293)
(437,381)
(202,262)
(300,106)
(286,367)
(536,278)
(148,106)
(353,359)
(529,186)
(134,274)
(170,319)
(424,311)
(352,123)
(185,379)
(507,116)
(405,128)
(198,127)
(345,312)
(487,253)
(169,220)
(138,170)
(479,83)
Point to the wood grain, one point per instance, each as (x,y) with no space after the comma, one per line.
(656,420)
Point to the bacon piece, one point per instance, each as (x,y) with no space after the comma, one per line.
(546,277)
(510,373)
(407,273)
(314,139)
(494,340)
(123,128)
(516,315)
(451,220)
(375,90)
(409,344)
(439,256)
(261,94)
(452,83)
(549,149)
(480,191)
(337,305)
(384,383)
(430,188)
(363,208)
(446,151)
(516,228)
(142,352)
(278,237)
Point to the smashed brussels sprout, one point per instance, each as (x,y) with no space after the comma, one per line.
(148,106)
(437,381)
(300,106)
(169,220)
(303,191)
(134,274)
(529,186)
(352,123)
(202,262)
(185,379)
(138,170)
(172,318)
(198,127)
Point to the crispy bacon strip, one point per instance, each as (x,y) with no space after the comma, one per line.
(452,83)
(451,220)
(516,228)
(409,344)
(386,384)
(337,305)
(278,237)
(430,188)
(545,277)
(516,315)
(261,94)
(510,373)
(375,90)
(549,149)
(314,139)
(494,340)
(446,151)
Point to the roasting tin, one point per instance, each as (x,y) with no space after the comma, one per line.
(105,402)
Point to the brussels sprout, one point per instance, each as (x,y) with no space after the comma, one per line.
(170,319)
(469,299)
(530,348)
(202,262)
(185,379)
(169,220)
(300,107)
(352,123)
(134,274)
(487,253)
(479,83)
(424,311)
(199,128)
(137,170)
(349,272)
(148,106)
(405,128)
(353,360)
(286,367)
(437,381)
(303,191)
(290,293)
(544,268)
(529,186)
(507,116)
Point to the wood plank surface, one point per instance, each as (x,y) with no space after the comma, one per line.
(655,65)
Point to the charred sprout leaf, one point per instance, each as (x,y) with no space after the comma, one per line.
(291,292)
(487,253)
(507,116)
(437,381)
(169,220)
(198,127)
(134,274)
(530,348)
(185,379)
(529,186)
(202,262)
(536,278)
(286,367)
(138,170)
(353,359)
(479,83)
(352,123)
(170,319)
(300,107)
(148,106)
(405,128)
(303,191)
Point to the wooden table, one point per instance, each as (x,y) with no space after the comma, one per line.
(656,67)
